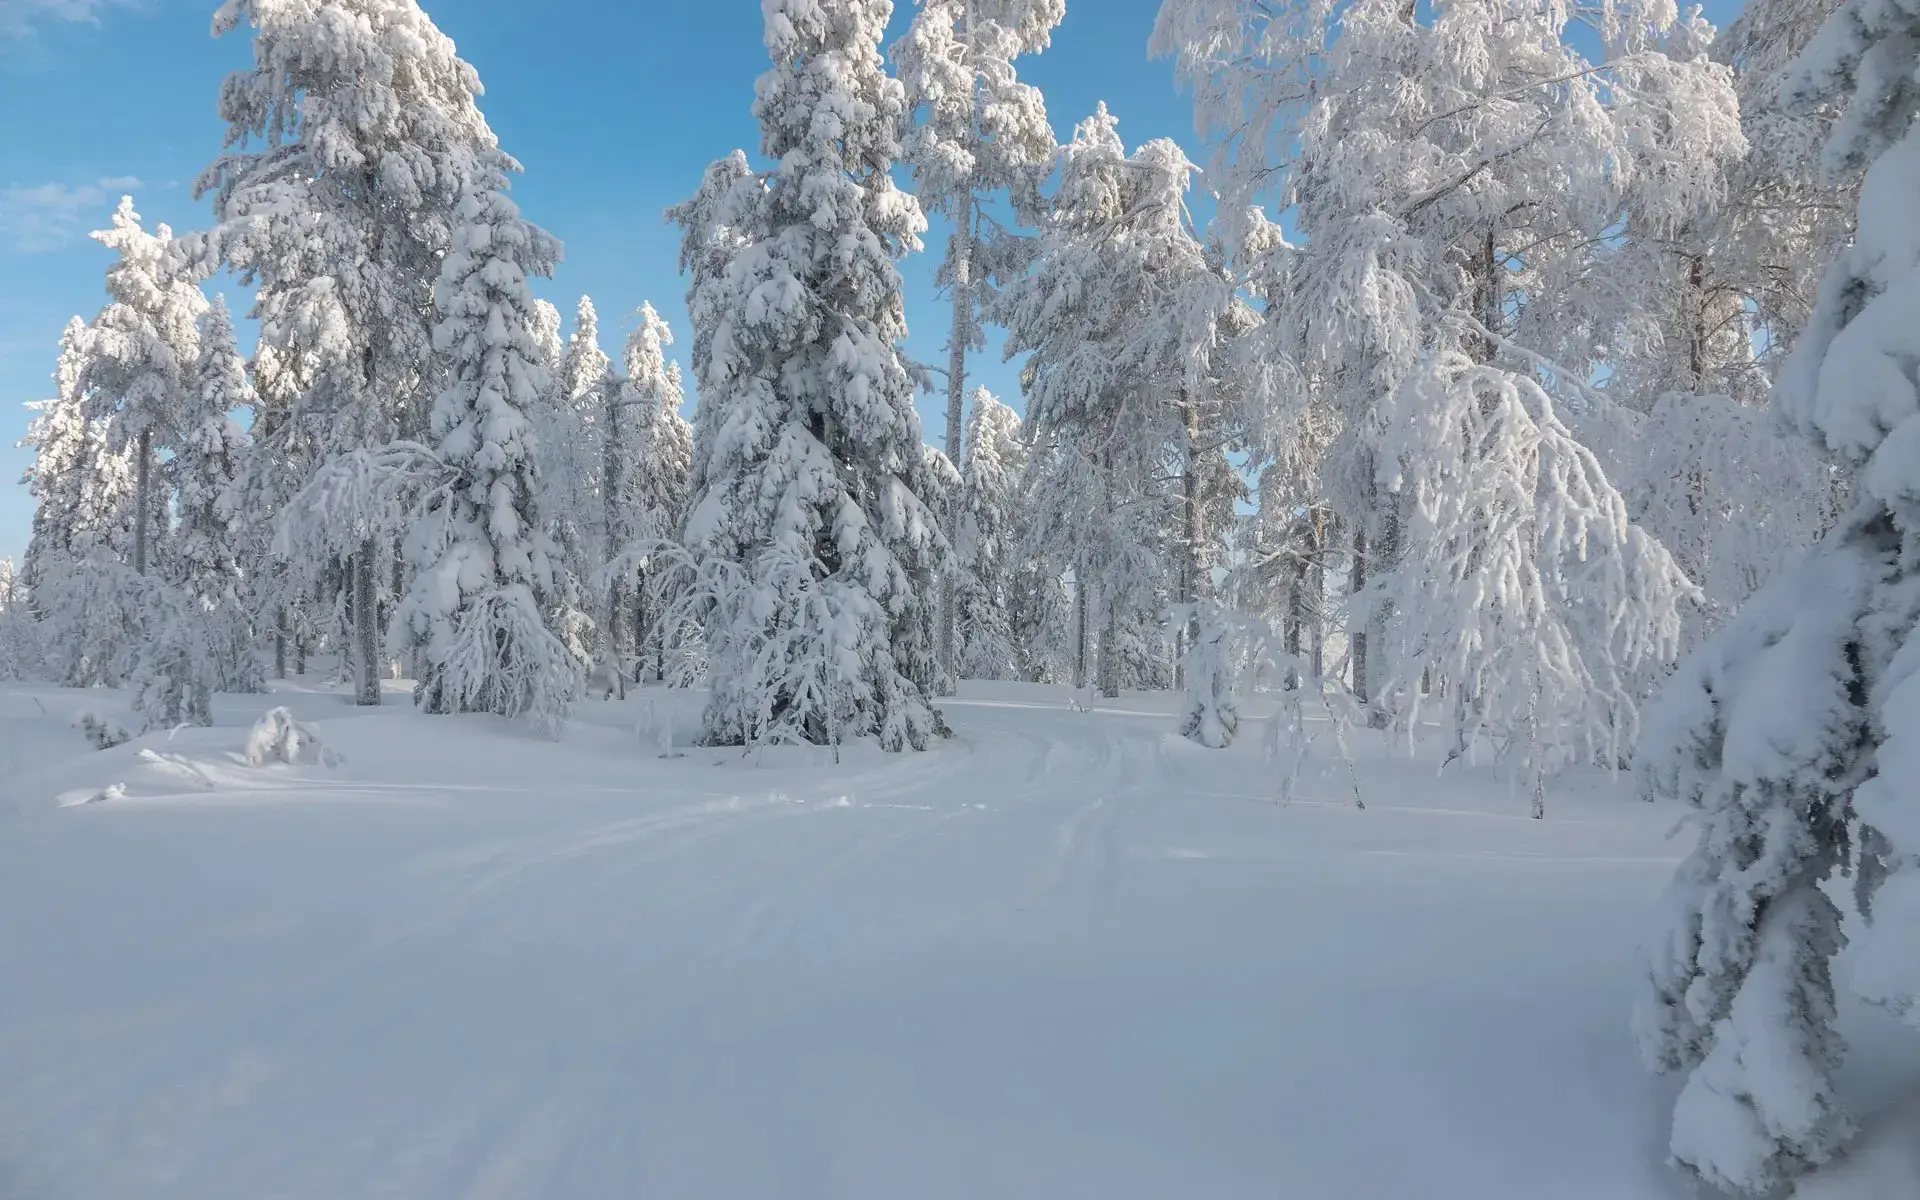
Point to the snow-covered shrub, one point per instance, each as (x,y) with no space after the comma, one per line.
(278,738)
(103,732)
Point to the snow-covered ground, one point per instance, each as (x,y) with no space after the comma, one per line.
(1064,955)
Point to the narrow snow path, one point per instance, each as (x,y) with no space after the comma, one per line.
(1064,955)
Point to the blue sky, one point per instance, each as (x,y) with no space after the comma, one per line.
(614,109)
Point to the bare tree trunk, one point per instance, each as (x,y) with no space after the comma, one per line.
(610,507)
(957,341)
(1080,630)
(1109,658)
(1194,582)
(1296,619)
(366,632)
(1356,583)
(1385,550)
(280,646)
(142,501)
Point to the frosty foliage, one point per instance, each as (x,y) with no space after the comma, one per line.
(815,552)
(1522,579)
(1455,174)
(1790,729)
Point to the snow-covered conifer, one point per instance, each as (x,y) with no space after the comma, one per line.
(1793,728)
(143,349)
(988,535)
(982,132)
(482,594)
(816,557)
(205,560)
(649,460)
(82,487)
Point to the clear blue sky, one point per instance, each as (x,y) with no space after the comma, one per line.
(615,108)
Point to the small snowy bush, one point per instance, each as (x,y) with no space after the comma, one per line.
(104,733)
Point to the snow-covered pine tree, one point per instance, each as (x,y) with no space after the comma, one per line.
(82,487)
(988,536)
(982,133)
(649,459)
(205,558)
(1121,312)
(570,431)
(21,653)
(349,142)
(143,348)
(1793,729)
(816,560)
(483,587)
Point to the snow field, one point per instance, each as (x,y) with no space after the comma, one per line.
(1064,954)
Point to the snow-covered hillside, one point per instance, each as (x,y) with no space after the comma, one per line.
(1064,955)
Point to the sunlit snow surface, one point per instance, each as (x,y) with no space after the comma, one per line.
(1064,955)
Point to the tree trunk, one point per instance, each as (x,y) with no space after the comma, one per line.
(366,633)
(610,504)
(1079,630)
(1385,550)
(957,341)
(142,501)
(1296,619)
(1109,658)
(1356,583)
(1193,569)
(280,647)
(642,635)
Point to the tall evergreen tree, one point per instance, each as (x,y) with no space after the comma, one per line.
(815,553)
(483,590)
(981,133)
(206,559)
(988,536)
(649,461)
(144,347)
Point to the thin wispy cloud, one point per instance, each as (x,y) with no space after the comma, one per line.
(20,18)
(51,216)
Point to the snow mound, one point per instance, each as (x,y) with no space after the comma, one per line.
(279,738)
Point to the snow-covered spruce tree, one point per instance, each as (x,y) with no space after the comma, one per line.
(1793,728)
(649,457)
(349,142)
(483,589)
(981,133)
(988,535)
(1120,313)
(21,653)
(571,429)
(82,487)
(205,559)
(815,558)
(144,345)
(1446,196)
